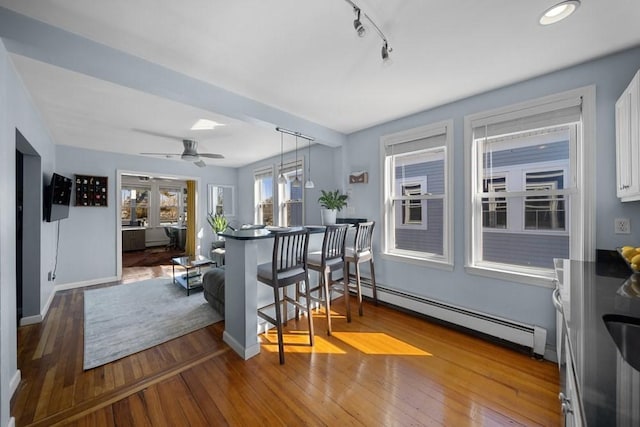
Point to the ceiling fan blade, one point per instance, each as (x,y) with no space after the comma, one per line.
(211,156)
(160,154)
(200,164)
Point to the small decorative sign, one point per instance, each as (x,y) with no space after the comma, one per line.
(91,190)
(358,178)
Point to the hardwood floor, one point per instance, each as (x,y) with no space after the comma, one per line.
(385,368)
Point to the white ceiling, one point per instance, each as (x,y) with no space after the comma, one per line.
(303,58)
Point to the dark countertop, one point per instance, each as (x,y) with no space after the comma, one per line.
(609,387)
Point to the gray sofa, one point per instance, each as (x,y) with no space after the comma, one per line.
(213,288)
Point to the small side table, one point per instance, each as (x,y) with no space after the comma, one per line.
(192,277)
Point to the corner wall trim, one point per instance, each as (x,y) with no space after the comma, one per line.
(73,285)
(15,382)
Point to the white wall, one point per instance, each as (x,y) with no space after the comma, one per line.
(88,250)
(525,303)
(17,111)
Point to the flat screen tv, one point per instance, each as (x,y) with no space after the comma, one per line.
(57,198)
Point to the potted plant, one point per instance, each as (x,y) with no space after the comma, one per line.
(332,202)
(218,223)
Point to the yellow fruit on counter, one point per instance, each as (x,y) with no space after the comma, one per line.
(634,267)
(629,253)
(624,248)
(635,259)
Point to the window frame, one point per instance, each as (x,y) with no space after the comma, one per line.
(137,188)
(180,204)
(582,222)
(444,261)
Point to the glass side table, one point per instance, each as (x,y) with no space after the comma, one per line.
(192,276)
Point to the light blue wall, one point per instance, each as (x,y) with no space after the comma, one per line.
(525,303)
(326,169)
(88,237)
(17,111)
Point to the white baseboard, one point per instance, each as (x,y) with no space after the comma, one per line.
(32,320)
(15,382)
(12,422)
(74,285)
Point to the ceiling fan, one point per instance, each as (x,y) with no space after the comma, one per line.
(190,153)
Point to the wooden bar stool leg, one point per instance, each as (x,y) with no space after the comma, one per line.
(326,279)
(309,318)
(276,295)
(358,289)
(346,296)
(373,282)
(285,315)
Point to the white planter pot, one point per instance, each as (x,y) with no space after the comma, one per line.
(329,216)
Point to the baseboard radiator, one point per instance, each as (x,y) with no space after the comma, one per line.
(531,336)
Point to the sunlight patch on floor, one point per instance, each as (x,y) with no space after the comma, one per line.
(379,343)
(375,343)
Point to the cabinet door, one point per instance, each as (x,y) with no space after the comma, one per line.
(627,142)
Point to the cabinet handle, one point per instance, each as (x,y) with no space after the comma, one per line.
(566,407)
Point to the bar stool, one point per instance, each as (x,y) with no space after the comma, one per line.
(360,252)
(288,266)
(330,259)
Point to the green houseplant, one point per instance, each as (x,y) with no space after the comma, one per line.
(217,222)
(332,202)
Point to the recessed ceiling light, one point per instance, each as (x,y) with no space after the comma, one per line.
(559,12)
(205,124)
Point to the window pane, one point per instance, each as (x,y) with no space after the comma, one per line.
(544,212)
(291,208)
(494,209)
(264,198)
(169,205)
(418,223)
(135,205)
(535,163)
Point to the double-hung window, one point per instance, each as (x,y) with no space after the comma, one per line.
(416,169)
(290,195)
(263,196)
(527,187)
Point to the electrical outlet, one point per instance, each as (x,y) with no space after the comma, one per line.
(622,226)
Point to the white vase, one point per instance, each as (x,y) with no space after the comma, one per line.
(329,216)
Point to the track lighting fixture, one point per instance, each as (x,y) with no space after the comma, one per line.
(360,29)
(357,24)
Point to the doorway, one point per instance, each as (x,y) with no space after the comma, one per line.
(28,228)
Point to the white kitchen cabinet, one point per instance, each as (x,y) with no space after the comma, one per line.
(628,142)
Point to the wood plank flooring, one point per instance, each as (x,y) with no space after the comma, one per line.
(385,368)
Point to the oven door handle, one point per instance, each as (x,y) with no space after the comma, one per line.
(557,300)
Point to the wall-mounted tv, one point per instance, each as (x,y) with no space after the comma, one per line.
(57,197)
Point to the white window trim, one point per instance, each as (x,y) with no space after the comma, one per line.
(582,246)
(445,261)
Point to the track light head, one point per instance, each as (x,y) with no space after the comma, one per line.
(357,24)
(385,51)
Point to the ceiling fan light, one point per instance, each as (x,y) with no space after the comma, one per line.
(559,12)
(190,157)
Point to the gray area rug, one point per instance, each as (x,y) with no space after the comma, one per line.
(125,319)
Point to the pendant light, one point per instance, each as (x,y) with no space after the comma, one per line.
(296,182)
(281,178)
(309,183)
